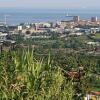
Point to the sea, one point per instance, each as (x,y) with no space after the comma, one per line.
(17,16)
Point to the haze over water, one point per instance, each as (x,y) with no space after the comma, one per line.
(17,16)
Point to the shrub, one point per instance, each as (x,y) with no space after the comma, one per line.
(22,77)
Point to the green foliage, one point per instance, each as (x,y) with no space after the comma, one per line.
(22,77)
(54,35)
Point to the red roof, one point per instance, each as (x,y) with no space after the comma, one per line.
(95,93)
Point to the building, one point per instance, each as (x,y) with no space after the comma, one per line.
(93,96)
(20,28)
(76,18)
(93,43)
(94,19)
(76,34)
(3,36)
(67,24)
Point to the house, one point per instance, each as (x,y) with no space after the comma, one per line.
(97,49)
(76,34)
(93,96)
(93,43)
(3,36)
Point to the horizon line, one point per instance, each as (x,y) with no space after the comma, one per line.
(50,8)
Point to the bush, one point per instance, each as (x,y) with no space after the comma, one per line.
(22,77)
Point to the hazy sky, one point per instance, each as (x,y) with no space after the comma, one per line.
(51,4)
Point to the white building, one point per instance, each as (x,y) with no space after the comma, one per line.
(46,25)
(78,34)
(20,28)
(93,43)
(3,36)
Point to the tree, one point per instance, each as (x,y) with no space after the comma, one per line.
(54,35)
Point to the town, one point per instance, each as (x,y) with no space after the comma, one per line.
(86,30)
(73,44)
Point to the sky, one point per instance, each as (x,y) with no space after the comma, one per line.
(51,4)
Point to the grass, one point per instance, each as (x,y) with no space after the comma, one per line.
(97,36)
(22,77)
(83,39)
